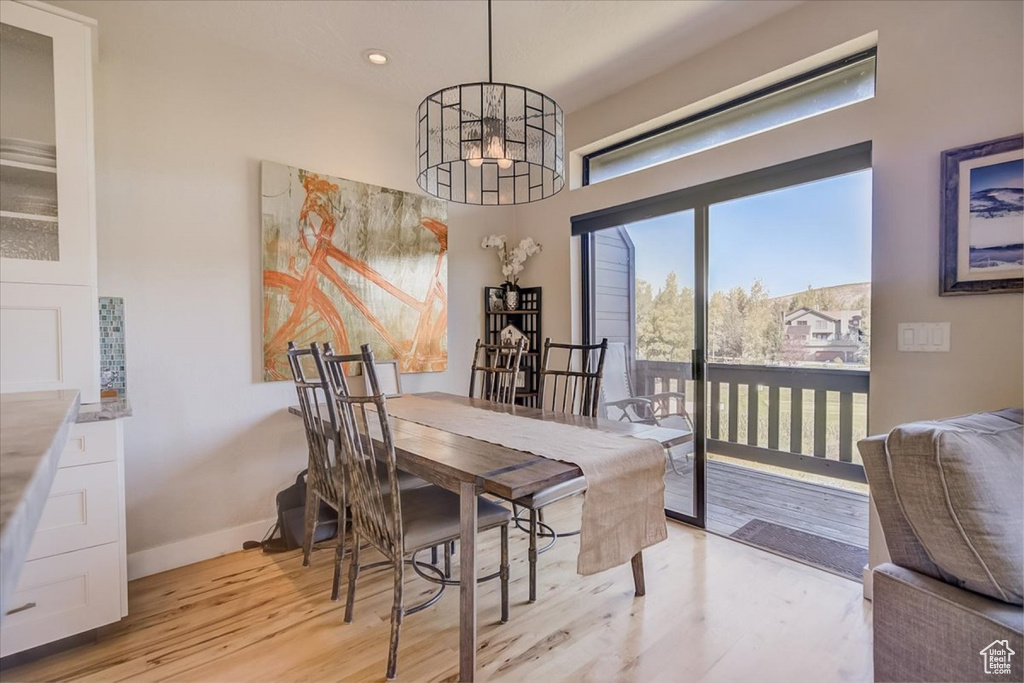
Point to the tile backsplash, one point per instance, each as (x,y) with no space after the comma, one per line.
(113,380)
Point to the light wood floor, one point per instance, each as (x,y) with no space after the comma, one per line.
(715,610)
(738,494)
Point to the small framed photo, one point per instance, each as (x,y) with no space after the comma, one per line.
(982,241)
(495,299)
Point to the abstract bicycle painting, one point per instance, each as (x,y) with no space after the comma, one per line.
(352,264)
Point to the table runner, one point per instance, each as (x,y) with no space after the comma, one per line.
(624,505)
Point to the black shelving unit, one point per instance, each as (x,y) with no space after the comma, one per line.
(526,319)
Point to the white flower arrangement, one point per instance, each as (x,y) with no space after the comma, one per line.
(512,260)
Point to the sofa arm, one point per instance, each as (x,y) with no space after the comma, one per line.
(929,630)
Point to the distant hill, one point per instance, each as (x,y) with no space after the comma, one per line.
(846,296)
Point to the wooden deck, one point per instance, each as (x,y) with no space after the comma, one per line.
(738,494)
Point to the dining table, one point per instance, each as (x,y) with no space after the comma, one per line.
(470,467)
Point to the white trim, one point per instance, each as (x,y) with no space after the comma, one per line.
(195,549)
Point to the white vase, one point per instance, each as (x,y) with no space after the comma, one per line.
(511,299)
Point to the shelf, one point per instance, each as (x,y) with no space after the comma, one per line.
(28,167)
(28,216)
(519,312)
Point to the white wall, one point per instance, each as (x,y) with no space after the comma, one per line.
(949,74)
(181,126)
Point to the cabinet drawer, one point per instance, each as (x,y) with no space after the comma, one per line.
(81,511)
(90,442)
(62,595)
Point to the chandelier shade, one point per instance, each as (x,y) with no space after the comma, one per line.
(490,143)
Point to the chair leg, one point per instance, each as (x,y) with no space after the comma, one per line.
(504,573)
(447,561)
(353,574)
(311,520)
(339,555)
(533,555)
(397,612)
(433,555)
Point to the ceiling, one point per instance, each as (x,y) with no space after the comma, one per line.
(577,51)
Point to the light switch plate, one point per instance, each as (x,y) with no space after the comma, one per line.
(923,337)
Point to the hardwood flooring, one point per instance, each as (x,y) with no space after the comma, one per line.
(715,610)
(738,494)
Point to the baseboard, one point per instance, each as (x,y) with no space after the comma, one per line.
(195,549)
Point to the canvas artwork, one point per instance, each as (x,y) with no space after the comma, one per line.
(983,218)
(351,264)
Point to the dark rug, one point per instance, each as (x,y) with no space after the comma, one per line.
(833,556)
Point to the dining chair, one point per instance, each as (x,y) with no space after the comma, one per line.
(325,480)
(572,385)
(497,368)
(393,521)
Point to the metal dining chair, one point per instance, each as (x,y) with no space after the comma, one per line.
(495,371)
(394,522)
(325,480)
(572,387)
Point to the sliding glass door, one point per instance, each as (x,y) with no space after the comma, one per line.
(646,298)
(645,289)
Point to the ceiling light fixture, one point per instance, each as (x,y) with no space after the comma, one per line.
(376,57)
(490,143)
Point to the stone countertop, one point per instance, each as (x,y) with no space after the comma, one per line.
(113,408)
(33,431)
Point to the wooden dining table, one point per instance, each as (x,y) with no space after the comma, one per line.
(470,467)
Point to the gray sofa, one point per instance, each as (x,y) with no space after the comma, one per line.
(950,498)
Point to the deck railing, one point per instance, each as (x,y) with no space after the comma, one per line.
(806,419)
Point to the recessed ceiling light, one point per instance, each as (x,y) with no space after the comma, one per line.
(376,57)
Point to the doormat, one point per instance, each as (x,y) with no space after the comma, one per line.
(832,556)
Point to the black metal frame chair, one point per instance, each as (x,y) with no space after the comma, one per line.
(393,521)
(575,390)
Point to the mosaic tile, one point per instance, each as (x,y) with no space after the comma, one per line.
(112,356)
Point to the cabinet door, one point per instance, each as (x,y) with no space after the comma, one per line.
(48,339)
(47,220)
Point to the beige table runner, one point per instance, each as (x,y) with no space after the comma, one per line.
(624,506)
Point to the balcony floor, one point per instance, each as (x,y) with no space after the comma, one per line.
(737,495)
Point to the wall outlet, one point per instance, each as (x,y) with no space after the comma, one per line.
(923,337)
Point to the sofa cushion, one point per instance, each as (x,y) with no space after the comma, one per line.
(960,484)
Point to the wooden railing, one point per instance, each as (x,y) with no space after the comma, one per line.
(754,411)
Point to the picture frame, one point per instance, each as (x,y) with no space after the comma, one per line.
(495,300)
(982,216)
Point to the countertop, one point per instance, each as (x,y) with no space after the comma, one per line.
(33,431)
(113,408)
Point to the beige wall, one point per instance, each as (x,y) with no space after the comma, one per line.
(949,74)
(181,127)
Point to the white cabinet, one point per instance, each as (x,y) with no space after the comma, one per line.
(48,339)
(48,294)
(47,218)
(76,576)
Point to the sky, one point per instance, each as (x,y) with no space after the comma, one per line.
(815,234)
(1006,174)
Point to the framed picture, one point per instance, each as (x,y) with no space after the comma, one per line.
(495,299)
(982,241)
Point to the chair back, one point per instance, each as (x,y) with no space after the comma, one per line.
(319,421)
(495,370)
(570,379)
(365,446)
